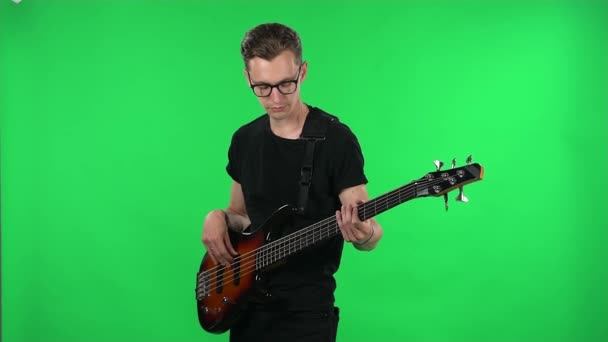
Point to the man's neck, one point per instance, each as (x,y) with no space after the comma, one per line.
(291,126)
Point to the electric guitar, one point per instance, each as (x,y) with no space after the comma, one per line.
(221,292)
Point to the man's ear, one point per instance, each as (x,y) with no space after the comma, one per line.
(304,71)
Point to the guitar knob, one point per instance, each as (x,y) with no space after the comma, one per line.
(438,164)
(228,300)
(453,163)
(469,159)
(461,197)
(445,200)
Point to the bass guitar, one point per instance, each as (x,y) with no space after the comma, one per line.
(221,292)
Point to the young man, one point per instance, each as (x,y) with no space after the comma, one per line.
(265,161)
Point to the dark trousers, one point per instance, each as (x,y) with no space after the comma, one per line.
(292,326)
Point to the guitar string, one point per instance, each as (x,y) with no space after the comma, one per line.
(251,266)
(303,230)
(295,235)
(326,228)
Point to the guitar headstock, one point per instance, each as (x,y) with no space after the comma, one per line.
(441,182)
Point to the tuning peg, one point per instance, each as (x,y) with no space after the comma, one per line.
(438,164)
(445,200)
(469,159)
(453,163)
(461,197)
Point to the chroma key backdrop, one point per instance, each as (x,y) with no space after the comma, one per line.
(116,117)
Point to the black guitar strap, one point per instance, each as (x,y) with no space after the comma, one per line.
(314,130)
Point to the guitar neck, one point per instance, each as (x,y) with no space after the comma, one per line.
(390,200)
(328,228)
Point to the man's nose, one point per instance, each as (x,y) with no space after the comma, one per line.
(275,94)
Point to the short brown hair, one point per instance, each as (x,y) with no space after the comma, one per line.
(268,41)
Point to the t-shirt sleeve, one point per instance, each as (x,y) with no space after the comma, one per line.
(234,168)
(348,158)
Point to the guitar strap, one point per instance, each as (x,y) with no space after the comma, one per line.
(313,131)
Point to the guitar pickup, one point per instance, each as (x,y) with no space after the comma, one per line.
(236,268)
(219,276)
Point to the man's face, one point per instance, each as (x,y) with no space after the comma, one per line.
(282,68)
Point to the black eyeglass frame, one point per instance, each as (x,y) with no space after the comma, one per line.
(277,85)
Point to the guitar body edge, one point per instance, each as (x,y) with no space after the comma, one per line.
(221,293)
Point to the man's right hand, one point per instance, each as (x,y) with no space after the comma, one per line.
(216,240)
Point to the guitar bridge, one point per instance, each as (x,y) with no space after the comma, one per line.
(203,285)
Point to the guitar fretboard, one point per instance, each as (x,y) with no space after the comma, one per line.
(328,228)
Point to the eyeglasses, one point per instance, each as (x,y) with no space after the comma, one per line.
(285,87)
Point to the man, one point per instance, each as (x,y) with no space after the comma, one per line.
(265,161)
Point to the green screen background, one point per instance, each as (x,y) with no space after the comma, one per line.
(116,118)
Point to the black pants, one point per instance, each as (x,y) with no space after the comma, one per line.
(292,326)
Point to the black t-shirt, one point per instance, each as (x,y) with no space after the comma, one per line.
(268,168)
